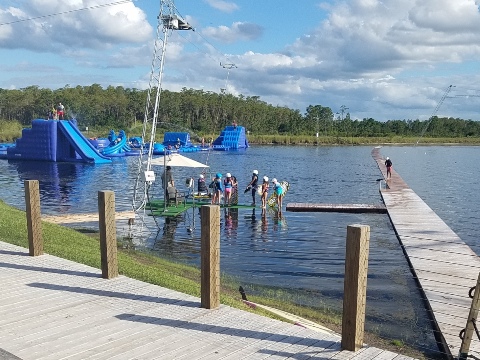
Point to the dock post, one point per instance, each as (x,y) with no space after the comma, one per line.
(210,256)
(108,234)
(472,318)
(355,286)
(34,217)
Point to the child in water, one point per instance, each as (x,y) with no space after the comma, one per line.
(265,186)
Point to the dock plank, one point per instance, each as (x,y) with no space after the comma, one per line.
(68,311)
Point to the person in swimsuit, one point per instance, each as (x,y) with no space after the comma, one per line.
(228,186)
(278,190)
(265,186)
(217,189)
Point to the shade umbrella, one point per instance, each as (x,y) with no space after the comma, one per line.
(176,160)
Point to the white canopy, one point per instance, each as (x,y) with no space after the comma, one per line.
(177,160)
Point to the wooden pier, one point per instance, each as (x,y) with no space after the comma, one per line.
(444,266)
(53,308)
(341,208)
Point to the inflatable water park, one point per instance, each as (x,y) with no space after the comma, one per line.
(58,140)
(62,141)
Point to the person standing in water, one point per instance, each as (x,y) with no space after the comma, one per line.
(278,191)
(388,164)
(228,187)
(264,196)
(253,185)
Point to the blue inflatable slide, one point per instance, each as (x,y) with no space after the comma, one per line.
(52,140)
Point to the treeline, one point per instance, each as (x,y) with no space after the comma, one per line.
(205,112)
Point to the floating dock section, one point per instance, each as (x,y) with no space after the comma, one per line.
(54,140)
(231,138)
(339,208)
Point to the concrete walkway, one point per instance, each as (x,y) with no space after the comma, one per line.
(53,308)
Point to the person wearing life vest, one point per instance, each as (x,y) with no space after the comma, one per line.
(253,184)
(217,189)
(201,185)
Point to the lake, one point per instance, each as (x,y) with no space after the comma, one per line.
(294,256)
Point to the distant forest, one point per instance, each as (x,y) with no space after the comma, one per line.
(205,112)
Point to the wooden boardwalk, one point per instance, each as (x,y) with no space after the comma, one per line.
(446,268)
(51,308)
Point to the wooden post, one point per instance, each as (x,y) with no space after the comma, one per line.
(34,217)
(355,286)
(210,256)
(472,316)
(108,234)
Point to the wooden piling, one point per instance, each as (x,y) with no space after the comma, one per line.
(108,234)
(34,221)
(472,317)
(210,256)
(355,286)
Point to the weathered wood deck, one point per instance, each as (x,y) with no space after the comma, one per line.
(446,268)
(51,308)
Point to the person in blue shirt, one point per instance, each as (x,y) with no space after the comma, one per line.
(217,189)
(278,191)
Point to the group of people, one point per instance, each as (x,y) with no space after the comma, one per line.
(228,188)
(56,112)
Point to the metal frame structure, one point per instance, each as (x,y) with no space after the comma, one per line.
(167,22)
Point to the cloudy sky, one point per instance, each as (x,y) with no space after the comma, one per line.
(390,59)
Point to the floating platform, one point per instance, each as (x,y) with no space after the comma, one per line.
(339,208)
(231,138)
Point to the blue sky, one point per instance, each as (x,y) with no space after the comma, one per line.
(384,59)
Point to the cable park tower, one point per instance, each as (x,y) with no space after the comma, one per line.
(167,22)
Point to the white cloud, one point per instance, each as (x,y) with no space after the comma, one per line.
(225,6)
(95,26)
(239,31)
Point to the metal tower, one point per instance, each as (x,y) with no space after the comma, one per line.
(167,22)
(435,112)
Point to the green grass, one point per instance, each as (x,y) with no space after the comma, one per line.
(10,131)
(83,248)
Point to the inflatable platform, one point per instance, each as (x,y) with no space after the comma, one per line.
(231,138)
(54,140)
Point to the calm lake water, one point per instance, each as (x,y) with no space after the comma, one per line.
(295,256)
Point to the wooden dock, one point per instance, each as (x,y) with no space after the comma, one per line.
(445,267)
(53,308)
(341,208)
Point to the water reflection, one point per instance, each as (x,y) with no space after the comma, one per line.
(231,222)
(56,182)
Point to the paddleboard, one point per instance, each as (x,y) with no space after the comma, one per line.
(272,199)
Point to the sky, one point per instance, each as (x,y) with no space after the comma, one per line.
(386,60)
